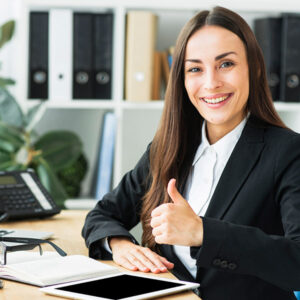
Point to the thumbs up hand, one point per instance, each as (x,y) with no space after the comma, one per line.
(176,223)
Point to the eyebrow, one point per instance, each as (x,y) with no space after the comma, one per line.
(216,58)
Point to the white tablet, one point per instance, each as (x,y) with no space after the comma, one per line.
(122,286)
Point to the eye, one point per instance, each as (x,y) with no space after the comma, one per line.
(194,70)
(226,64)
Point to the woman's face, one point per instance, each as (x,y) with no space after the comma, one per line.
(216,78)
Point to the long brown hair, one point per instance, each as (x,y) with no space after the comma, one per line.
(179,132)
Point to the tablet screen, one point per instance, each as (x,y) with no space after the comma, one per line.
(119,287)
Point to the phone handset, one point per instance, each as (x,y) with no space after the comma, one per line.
(36,191)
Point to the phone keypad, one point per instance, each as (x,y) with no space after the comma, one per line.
(18,199)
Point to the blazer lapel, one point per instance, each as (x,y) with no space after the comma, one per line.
(239,165)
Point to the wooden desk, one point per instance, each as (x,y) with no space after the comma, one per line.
(67,234)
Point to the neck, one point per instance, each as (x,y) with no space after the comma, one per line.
(216,132)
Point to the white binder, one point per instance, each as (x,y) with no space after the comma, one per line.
(60,54)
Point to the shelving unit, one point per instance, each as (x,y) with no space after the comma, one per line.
(137,122)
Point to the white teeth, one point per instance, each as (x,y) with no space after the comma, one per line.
(215,100)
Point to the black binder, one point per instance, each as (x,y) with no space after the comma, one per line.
(290,70)
(38,56)
(103,48)
(268,35)
(83,56)
(92,55)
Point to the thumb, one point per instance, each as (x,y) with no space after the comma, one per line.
(173,192)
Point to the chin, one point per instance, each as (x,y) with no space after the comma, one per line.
(215,119)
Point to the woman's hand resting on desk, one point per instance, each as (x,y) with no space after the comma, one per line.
(137,258)
(176,223)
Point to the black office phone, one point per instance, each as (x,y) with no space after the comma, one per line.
(22,196)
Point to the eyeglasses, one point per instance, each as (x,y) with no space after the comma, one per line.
(26,244)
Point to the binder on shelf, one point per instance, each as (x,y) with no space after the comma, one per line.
(170,56)
(157,76)
(268,35)
(140,48)
(102,181)
(60,54)
(103,49)
(290,64)
(38,56)
(165,66)
(92,55)
(83,56)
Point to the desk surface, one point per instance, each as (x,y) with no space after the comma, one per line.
(67,234)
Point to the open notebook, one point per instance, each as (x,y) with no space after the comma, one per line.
(51,268)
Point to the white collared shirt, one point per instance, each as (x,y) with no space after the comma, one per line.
(207,168)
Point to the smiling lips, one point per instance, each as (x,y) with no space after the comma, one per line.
(216,99)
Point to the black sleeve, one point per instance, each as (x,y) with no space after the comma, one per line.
(249,250)
(118,211)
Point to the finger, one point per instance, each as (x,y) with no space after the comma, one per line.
(163,238)
(159,239)
(157,231)
(123,262)
(167,263)
(138,263)
(158,210)
(158,261)
(173,192)
(155,221)
(155,212)
(147,260)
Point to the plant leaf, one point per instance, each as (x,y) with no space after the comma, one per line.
(10,110)
(34,115)
(59,148)
(6,32)
(11,166)
(5,158)
(11,139)
(7,163)
(7,147)
(15,167)
(34,135)
(50,181)
(6,81)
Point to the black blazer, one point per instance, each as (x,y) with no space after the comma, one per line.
(251,246)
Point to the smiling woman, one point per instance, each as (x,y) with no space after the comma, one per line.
(217,191)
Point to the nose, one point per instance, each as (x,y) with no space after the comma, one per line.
(212,80)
